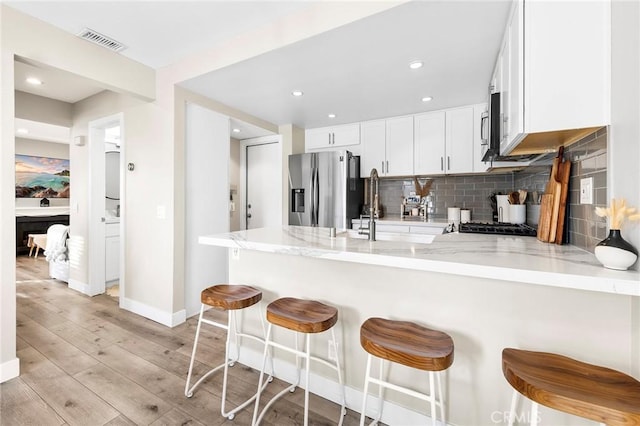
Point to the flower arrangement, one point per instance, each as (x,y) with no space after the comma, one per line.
(617,213)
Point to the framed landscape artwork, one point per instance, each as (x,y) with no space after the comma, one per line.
(41,177)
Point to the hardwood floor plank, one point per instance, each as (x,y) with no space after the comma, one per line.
(80,337)
(21,405)
(70,399)
(177,417)
(59,351)
(129,398)
(120,421)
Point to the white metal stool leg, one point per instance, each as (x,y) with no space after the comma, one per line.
(514,407)
(533,421)
(230,327)
(366,390)
(441,398)
(306,354)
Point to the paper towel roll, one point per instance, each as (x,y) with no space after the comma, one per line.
(503,208)
(453,215)
(465,215)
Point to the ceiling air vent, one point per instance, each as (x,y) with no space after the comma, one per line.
(104,41)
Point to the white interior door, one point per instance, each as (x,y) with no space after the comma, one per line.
(263,185)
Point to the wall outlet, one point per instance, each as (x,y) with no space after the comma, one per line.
(331,352)
(586,190)
(235,253)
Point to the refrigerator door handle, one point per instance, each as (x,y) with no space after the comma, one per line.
(316,197)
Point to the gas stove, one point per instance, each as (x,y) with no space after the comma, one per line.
(498,229)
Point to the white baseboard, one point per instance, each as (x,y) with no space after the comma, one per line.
(76,285)
(165,318)
(329,389)
(9,370)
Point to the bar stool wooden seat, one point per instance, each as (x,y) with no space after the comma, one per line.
(565,384)
(306,317)
(231,298)
(411,345)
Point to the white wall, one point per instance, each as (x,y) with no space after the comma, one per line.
(206,199)
(43,110)
(36,148)
(234,182)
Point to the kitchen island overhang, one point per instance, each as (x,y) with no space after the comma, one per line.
(505,304)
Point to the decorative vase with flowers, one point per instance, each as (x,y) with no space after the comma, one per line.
(614,252)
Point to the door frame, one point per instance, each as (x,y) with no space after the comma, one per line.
(244,144)
(96,193)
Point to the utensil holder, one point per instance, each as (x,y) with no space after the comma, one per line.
(517,213)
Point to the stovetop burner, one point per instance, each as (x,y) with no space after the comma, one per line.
(498,229)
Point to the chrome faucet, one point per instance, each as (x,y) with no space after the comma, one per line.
(373,206)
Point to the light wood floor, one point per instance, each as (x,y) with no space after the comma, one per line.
(84,361)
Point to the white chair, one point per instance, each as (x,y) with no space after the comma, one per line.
(56,252)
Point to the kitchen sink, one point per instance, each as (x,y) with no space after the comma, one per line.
(393,236)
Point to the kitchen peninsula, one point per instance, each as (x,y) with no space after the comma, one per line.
(488,292)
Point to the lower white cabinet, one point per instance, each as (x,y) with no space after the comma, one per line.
(112,252)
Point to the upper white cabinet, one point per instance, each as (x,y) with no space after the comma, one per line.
(399,147)
(553,71)
(374,136)
(332,137)
(429,143)
(387,146)
(444,141)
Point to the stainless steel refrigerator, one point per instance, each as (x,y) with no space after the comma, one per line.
(325,189)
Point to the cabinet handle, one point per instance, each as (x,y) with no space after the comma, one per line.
(329,138)
(333,138)
(382,166)
(442,163)
(448,162)
(387,166)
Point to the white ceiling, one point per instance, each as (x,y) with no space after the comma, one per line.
(358,72)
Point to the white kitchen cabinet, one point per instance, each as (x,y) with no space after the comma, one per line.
(459,140)
(387,146)
(332,137)
(555,66)
(112,252)
(399,146)
(429,143)
(444,141)
(373,155)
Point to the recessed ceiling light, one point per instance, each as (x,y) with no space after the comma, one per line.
(415,65)
(427,99)
(236,130)
(297,93)
(332,116)
(22,131)
(34,81)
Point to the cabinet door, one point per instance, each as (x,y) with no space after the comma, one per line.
(429,143)
(349,134)
(514,120)
(372,147)
(459,137)
(112,258)
(317,138)
(399,161)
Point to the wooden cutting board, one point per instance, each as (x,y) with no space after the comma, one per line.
(564,172)
(544,222)
(550,204)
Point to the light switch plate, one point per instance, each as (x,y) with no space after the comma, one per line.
(586,190)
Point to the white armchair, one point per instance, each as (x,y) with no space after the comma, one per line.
(57,253)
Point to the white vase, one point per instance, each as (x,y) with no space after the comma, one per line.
(614,252)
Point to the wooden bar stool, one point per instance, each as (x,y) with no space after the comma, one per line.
(307,317)
(586,390)
(411,345)
(231,298)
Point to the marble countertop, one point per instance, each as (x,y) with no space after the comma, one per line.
(509,258)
